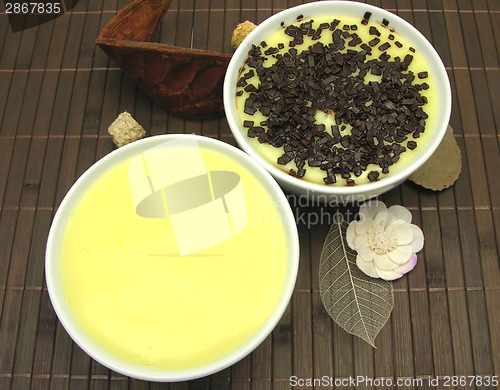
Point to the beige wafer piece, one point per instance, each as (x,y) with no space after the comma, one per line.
(240,33)
(125,130)
(443,167)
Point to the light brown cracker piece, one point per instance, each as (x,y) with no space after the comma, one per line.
(125,130)
(443,167)
(240,33)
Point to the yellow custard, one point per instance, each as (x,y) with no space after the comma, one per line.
(139,299)
(418,65)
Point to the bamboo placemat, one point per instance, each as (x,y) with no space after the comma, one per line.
(58,95)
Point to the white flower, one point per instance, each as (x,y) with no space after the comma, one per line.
(386,241)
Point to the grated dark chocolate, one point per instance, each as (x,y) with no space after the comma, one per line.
(382,114)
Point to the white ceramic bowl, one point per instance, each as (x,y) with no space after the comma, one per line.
(52,261)
(341,194)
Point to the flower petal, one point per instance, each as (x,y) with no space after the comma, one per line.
(350,234)
(384,219)
(410,264)
(367,267)
(371,208)
(363,248)
(388,275)
(383,263)
(418,239)
(401,231)
(364,225)
(401,254)
(400,212)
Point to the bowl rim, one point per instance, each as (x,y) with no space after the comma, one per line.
(62,216)
(273,23)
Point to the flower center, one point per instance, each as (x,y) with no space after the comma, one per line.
(380,241)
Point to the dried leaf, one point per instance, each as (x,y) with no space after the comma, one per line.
(443,167)
(359,304)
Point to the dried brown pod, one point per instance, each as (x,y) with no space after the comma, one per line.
(185,82)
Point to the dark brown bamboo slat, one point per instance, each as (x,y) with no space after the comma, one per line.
(44,338)
(27,117)
(492,304)
(48,184)
(382,356)
(262,363)
(62,103)
(343,358)
(110,101)
(26,46)
(87,47)
(35,268)
(4,29)
(460,332)
(376,3)
(58,42)
(73,41)
(481,346)
(67,168)
(127,96)
(45,105)
(264,10)
(136,384)
(42,45)
(9,326)
(249,12)
(483,105)
(37,47)
(421,333)
(6,150)
(241,373)
(301,310)
(80,368)
(478,179)
(485,31)
(16,173)
(143,109)
(20,249)
(32,176)
(487,249)
(282,344)
(433,251)
(5,79)
(321,321)
(13,104)
(25,346)
(94,104)
(221,380)
(8,219)
(452,257)
(470,249)
(364,365)
(440,334)
(10,49)
(61,358)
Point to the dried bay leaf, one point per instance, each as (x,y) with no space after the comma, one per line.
(442,169)
(359,304)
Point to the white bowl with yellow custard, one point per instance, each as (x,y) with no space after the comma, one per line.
(250,85)
(172,258)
